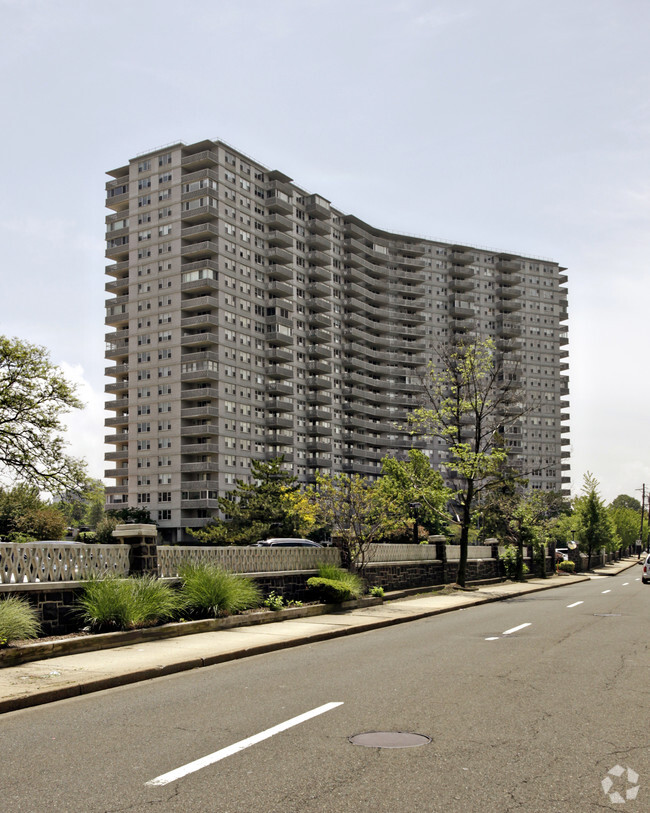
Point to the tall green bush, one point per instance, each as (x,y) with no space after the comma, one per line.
(120,604)
(208,590)
(18,620)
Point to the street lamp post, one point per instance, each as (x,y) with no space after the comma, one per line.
(415,507)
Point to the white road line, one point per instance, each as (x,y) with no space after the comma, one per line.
(606,591)
(516,629)
(575,604)
(191,767)
(625,584)
(638,579)
(493,638)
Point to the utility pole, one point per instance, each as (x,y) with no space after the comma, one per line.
(640,546)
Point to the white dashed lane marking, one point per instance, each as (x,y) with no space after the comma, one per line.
(575,604)
(191,767)
(607,591)
(516,629)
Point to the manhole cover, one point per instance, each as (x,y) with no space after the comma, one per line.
(389,739)
(608,615)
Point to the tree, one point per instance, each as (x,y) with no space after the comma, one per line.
(596,529)
(350,505)
(34,396)
(627,524)
(266,507)
(625,501)
(468,402)
(404,482)
(84,506)
(25,516)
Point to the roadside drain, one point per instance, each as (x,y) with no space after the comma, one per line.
(389,739)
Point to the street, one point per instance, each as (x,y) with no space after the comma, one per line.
(529,704)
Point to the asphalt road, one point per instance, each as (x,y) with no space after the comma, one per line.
(521,718)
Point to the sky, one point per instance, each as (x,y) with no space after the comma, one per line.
(520,125)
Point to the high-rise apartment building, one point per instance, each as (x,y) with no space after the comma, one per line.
(252,319)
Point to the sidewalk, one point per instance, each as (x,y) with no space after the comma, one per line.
(44,681)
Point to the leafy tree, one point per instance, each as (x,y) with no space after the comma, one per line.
(34,396)
(596,528)
(26,517)
(137,515)
(625,501)
(351,506)
(85,506)
(269,506)
(404,482)
(627,522)
(468,401)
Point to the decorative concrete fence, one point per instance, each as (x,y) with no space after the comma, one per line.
(36,562)
(171,559)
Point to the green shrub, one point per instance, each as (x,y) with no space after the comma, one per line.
(354,583)
(377,591)
(567,565)
(509,558)
(331,591)
(274,601)
(18,620)
(209,590)
(118,603)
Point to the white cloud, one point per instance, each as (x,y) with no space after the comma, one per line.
(85,427)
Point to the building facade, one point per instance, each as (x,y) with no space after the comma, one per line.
(251,319)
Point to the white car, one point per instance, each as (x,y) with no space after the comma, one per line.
(645,576)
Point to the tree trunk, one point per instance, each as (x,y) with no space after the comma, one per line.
(461,576)
(519,571)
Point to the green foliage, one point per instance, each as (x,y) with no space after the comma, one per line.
(352,507)
(266,507)
(34,395)
(211,591)
(127,514)
(115,603)
(627,523)
(404,482)
(377,591)
(275,601)
(104,531)
(513,562)
(566,565)
(85,506)
(625,501)
(331,591)
(18,620)
(25,517)
(469,401)
(354,582)
(596,529)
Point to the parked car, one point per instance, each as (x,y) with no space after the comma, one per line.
(645,576)
(286,542)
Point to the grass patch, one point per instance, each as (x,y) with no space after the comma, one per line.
(354,583)
(114,603)
(211,591)
(18,620)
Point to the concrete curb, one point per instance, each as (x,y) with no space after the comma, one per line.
(95,685)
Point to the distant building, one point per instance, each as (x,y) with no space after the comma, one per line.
(252,319)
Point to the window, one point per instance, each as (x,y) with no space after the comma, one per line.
(165,159)
(165,514)
(165,194)
(164,372)
(165,460)
(144,166)
(166,177)
(143,498)
(145,200)
(144,183)
(165,496)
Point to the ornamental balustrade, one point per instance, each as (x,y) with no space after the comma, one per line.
(171,558)
(35,562)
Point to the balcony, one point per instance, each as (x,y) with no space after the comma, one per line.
(279,239)
(203,430)
(198,339)
(461,258)
(118,369)
(278,205)
(199,448)
(279,371)
(318,258)
(278,256)
(318,336)
(277,356)
(279,289)
(318,289)
(276,421)
(319,273)
(508,265)
(318,398)
(206,320)
(276,388)
(279,272)
(119,287)
(198,303)
(319,414)
(318,320)
(317,367)
(279,404)
(200,412)
(277,221)
(508,280)
(318,242)
(461,272)
(276,337)
(203,250)
(200,160)
(203,286)
(317,207)
(199,214)
(319,351)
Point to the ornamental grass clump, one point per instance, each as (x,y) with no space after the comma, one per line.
(18,620)
(115,603)
(355,583)
(211,591)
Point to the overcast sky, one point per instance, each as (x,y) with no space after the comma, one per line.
(522,125)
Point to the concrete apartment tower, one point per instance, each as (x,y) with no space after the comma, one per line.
(251,318)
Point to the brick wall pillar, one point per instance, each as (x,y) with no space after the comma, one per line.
(143,553)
